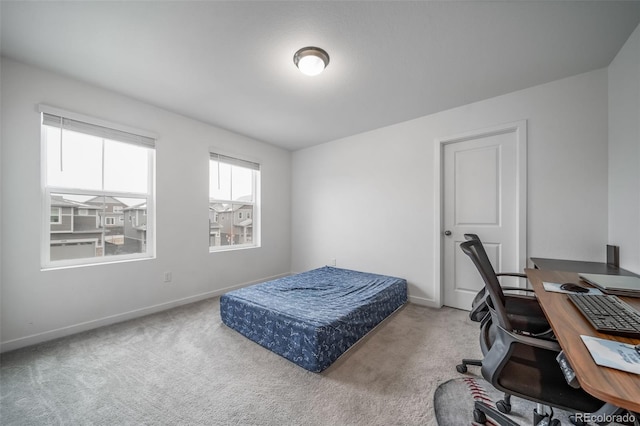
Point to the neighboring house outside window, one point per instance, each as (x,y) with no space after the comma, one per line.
(92,173)
(56,215)
(234,186)
(111,216)
(135,231)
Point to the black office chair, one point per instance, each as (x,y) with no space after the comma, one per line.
(517,364)
(524,312)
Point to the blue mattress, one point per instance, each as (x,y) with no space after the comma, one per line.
(314,317)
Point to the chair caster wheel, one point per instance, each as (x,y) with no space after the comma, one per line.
(479,417)
(503,407)
(461,368)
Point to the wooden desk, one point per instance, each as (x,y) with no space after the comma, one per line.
(579,266)
(616,387)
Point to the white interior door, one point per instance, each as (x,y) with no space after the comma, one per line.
(483,193)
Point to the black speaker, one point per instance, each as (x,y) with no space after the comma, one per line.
(613,255)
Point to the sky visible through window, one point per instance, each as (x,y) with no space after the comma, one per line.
(77,162)
(235,183)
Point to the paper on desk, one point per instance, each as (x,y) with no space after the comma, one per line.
(609,353)
(555,287)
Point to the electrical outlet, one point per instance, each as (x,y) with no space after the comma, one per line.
(333,262)
(167,277)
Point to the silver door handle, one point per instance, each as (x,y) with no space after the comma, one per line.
(447,233)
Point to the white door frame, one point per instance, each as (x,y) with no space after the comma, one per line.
(520,129)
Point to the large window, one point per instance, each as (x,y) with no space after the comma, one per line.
(93,173)
(233,203)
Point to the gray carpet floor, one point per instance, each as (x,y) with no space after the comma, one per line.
(184,367)
(454,400)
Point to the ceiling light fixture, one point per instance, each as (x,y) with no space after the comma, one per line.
(311,60)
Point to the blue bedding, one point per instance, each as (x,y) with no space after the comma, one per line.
(314,317)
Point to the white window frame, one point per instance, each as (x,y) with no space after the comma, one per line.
(47,190)
(108,219)
(77,241)
(217,155)
(59,216)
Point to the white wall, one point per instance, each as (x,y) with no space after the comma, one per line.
(38,305)
(368,200)
(624,152)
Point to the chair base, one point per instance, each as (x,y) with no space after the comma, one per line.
(504,405)
(482,409)
(462,368)
(544,419)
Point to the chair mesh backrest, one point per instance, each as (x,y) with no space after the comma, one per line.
(479,308)
(475,250)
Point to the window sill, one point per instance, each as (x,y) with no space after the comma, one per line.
(222,249)
(55,267)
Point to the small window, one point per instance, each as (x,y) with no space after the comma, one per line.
(87,167)
(56,215)
(233,201)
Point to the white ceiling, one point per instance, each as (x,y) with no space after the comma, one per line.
(230,63)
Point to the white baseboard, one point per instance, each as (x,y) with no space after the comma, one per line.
(44,336)
(423,301)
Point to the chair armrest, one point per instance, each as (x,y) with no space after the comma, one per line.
(549,345)
(530,290)
(511,274)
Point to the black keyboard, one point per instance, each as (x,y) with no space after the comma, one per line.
(608,314)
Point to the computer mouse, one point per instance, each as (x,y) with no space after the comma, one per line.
(575,288)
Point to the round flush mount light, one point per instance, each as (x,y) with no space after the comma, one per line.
(311,60)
